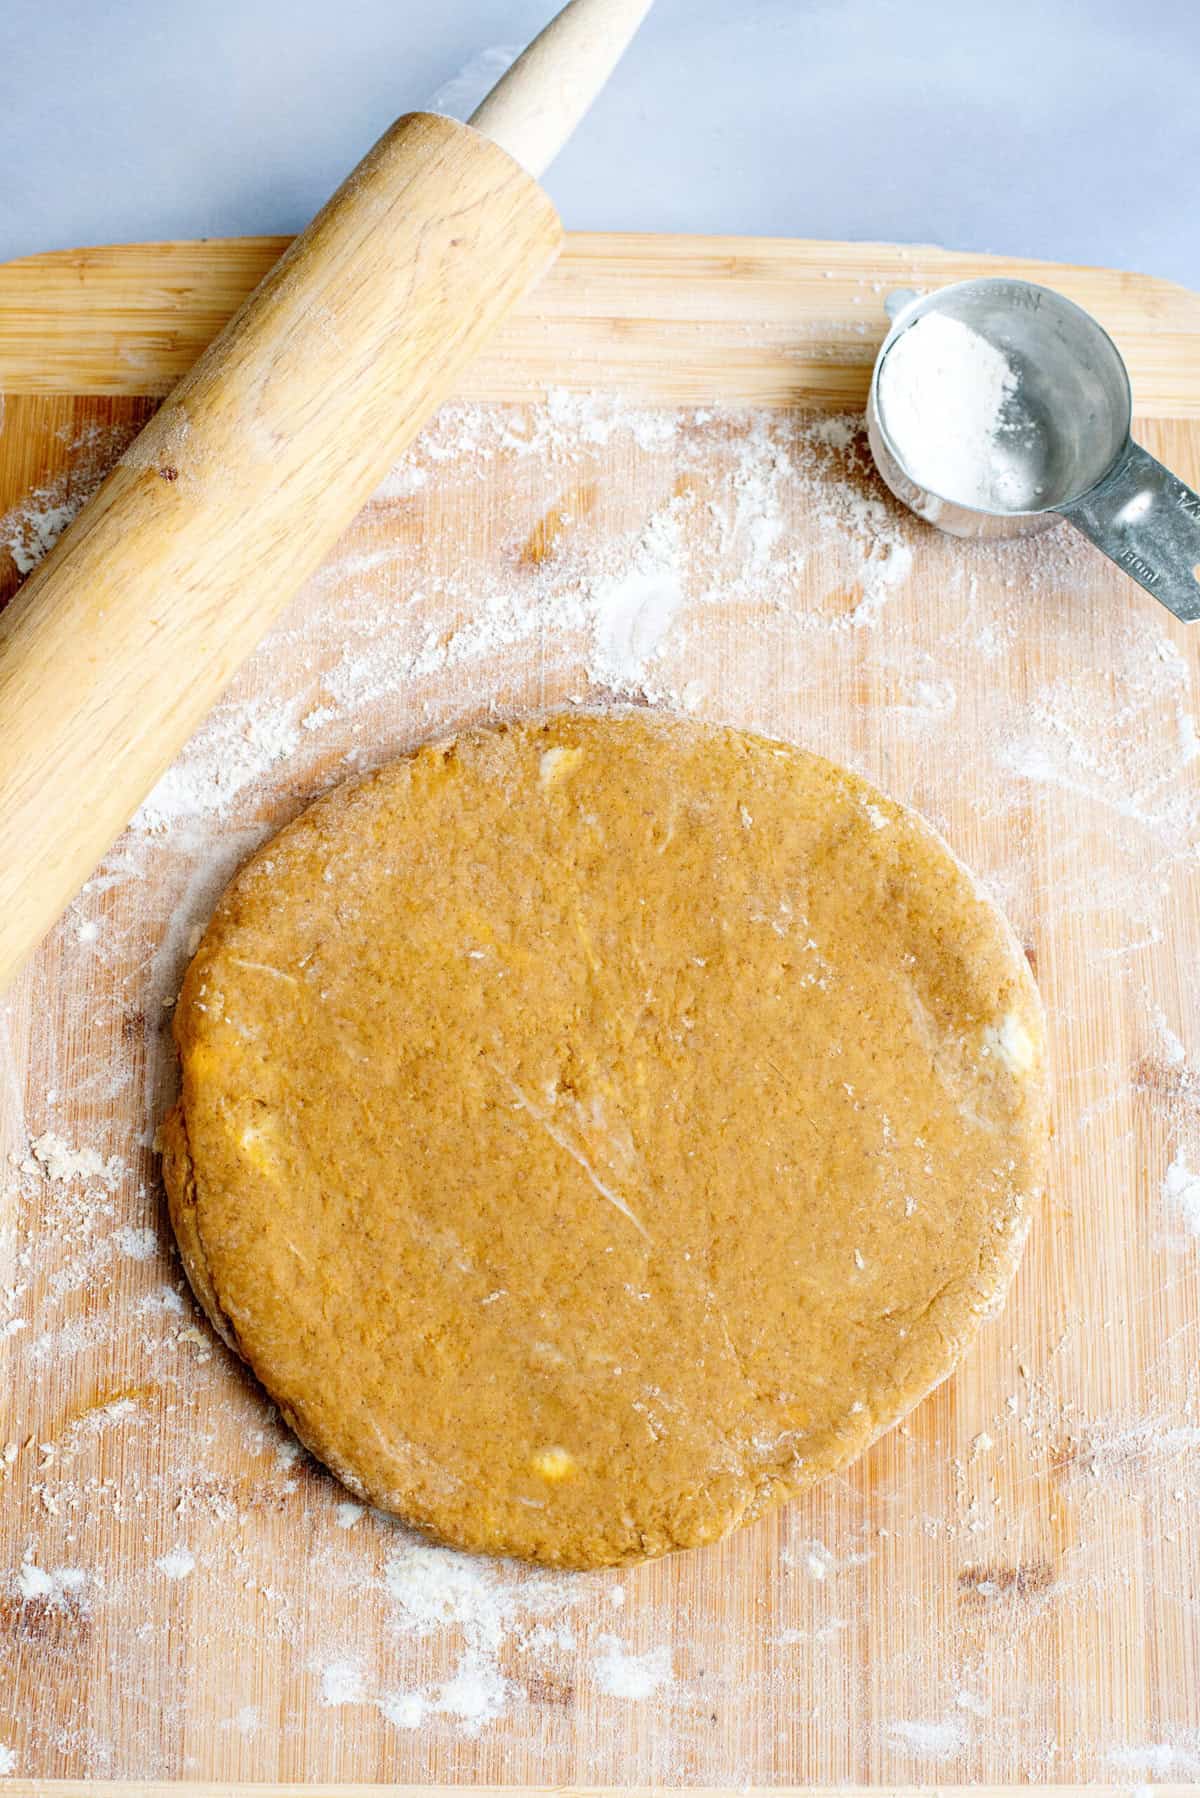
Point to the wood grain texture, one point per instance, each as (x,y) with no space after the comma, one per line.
(115,1788)
(1001,1591)
(126,635)
(684,320)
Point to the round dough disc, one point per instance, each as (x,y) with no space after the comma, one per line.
(594,1131)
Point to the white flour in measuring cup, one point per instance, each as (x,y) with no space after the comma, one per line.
(945,401)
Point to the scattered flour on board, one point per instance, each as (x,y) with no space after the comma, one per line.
(235,746)
(622,1674)
(1173,1051)
(176,1564)
(1107,750)
(495,1612)
(616,601)
(1181,1193)
(489,1604)
(1123,1453)
(933,1740)
(30,530)
(401,482)
(342,1683)
(476,1694)
(31,533)
(633,610)
(620,601)
(8,1761)
(58,1587)
(1160,1760)
(407,1710)
(971,1703)
(60,1162)
(75,1273)
(819,1562)
(136,1244)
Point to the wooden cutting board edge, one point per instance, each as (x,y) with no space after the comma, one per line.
(675,319)
(104,1788)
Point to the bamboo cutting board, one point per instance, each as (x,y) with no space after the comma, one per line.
(655,487)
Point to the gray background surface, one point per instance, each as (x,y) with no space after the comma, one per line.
(1068,129)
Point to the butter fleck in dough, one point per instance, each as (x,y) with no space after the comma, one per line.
(594,1131)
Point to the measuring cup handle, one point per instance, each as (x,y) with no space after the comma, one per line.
(1145,519)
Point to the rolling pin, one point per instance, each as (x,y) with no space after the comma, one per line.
(126,635)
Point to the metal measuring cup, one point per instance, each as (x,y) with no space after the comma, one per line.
(1068,422)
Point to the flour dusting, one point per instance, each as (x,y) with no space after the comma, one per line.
(503,1621)
(934,1741)
(58,1587)
(60,1162)
(633,610)
(136,1244)
(622,1674)
(342,1683)
(176,1564)
(1159,1760)
(1181,1192)
(236,745)
(30,530)
(491,1606)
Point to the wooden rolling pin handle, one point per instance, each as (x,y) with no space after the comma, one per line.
(121,641)
(534,108)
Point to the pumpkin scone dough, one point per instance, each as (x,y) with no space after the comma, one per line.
(594,1131)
